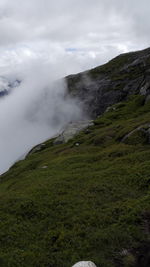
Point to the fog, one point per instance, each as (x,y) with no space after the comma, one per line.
(34,111)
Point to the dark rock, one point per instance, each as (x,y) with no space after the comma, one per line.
(147,99)
(101,87)
(3,93)
(6,86)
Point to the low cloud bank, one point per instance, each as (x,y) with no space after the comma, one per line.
(34,111)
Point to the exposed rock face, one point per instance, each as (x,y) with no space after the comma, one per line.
(111,83)
(71,130)
(84,264)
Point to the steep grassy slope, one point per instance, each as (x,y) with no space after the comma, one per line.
(68,203)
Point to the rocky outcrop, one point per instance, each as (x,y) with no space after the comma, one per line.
(71,130)
(84,264)
(111,83)
(139,135)
(37,148)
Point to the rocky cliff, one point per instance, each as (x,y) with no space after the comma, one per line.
(111,83)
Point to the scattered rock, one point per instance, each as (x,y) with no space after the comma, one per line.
(77,144)
(124,252)
(84,264)
(44,167)
(143,90)
(110,109)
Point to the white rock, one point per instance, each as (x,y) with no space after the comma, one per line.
(84,264)
(143,90)
(77,144)
(44,167)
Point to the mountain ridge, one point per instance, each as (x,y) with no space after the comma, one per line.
(112,82)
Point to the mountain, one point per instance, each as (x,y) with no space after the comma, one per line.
(86,197)
(7,85)
(113,82)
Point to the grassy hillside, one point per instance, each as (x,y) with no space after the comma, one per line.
(68,203)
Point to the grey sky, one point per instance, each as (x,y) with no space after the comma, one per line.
(85,33)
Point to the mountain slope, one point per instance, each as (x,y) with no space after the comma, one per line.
(88,199)
(112,82)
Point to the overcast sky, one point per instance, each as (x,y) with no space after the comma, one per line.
(43,40)
(79,33)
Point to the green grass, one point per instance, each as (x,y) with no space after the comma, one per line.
(90,203)
(115,68)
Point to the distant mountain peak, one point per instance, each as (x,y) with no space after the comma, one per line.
(7,85)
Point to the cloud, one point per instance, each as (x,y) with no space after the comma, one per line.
(34,111)
(4,84)
(44,40)
(104,28)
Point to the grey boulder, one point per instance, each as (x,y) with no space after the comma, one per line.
(84,264)
(71,130)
